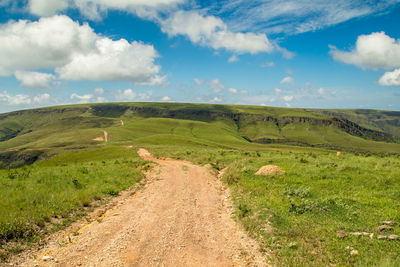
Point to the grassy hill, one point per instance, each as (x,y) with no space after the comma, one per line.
(31,134)
(380,120)
(54,168)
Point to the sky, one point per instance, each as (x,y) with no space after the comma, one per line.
(284,53)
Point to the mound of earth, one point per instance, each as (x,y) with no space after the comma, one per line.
(270,170)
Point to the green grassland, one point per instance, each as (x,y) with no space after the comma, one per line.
(57,129)
(297,215)
(51,167)
(48,195)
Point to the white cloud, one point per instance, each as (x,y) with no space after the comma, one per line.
(15,100)
(82,98)
(321,91)
(373,51)
(100,99)
(130,95)
(267,64)
(236,91)
(287,80)
(390,78)
(216,99)
(292,16)
(23,100)
(233,90)
(47,43)
(35,79)
(93,9)
(45,7)
(212,32)
(98,90)
(166,98)
(216,85)
(41,98)
(115,61)
(288,98)
(233,58)
(308,94)
(126,95)
(145,96)
(75,52)
(198,81)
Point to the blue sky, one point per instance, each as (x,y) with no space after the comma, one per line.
(304,53)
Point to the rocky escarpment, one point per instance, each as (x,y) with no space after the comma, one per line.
(385,121)
(203,114)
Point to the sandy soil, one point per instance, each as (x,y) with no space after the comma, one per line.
(181,217)
(101,138)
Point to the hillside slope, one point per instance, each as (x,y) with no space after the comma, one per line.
(380,120)
(51,130)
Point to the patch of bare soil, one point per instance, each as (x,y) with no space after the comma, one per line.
(270,170)
(101,138)
(181,217)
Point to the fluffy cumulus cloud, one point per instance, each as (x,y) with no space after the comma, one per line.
(35,79)
(86,98)
(216,99)
(75,52)
(166,99)
(213,32)
(128,95)
(23,100)
(373,51)
(15,100)
(288,98)
(233,58)
(390,78)
(47,43)
(41,99)
(113,61)
(93,9)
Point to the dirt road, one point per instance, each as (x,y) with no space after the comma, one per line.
(182,217)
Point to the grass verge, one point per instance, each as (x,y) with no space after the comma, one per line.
(48,195)
(298,215)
